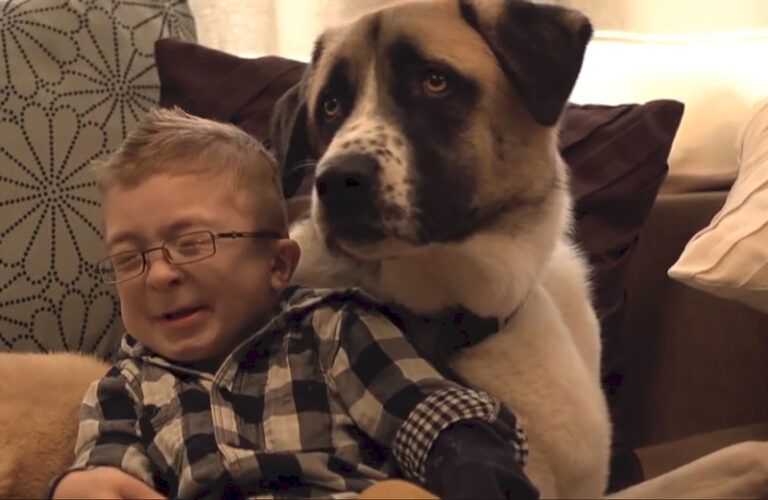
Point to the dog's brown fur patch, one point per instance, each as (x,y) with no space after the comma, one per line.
(40,396)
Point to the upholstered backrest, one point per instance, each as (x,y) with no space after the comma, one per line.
(74,78)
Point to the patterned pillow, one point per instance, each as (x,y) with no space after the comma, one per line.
(74,78)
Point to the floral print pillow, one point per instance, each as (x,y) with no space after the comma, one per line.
(75,76)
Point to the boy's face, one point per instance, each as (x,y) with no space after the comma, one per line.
(201,310)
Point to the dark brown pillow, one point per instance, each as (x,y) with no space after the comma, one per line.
(618,159)
(223,87)
(618,154)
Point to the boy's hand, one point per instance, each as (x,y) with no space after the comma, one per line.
(469,460)
(102,482)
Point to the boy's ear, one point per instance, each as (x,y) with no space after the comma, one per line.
(284,262)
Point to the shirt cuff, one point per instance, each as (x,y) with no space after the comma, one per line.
(440,410)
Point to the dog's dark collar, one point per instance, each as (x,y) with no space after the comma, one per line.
(438,336)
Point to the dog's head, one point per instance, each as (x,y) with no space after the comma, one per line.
(431,121)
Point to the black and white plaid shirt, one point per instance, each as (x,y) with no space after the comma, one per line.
(325,400)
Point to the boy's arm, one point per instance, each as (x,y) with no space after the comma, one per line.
(402,402)
(102,482)
(108,438)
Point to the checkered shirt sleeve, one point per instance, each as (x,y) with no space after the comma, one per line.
(108,434)
(439,411)
(398,398)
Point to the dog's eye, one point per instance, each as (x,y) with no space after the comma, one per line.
(331,107)
(435,84)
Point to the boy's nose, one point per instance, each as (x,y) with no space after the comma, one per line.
(160,272)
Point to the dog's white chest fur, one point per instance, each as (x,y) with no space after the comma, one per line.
(544,363)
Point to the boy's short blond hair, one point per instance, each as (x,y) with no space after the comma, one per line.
(170,141)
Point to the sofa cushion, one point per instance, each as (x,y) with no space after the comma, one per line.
(618,159)
(77,76)
(232,89)
(728,257)
(617,154)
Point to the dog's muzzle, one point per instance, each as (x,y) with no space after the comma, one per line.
(347,188)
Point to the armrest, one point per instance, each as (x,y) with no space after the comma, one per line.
(693,362)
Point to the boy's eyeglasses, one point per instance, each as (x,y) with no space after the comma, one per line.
(182,249)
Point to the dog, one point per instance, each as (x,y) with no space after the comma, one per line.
(41,395)
(431,127)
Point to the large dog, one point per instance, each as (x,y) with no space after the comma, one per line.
(432,128)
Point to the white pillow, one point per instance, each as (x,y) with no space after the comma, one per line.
(729,257)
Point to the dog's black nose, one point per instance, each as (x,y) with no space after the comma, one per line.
(347,185)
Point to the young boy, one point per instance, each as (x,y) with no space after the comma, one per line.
(232,382)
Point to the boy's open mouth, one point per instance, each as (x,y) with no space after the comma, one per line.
(180,313)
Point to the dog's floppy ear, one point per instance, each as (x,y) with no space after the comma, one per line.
(539,47)
(290,138)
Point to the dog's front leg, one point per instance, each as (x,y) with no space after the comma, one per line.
(738,471)
(535,367)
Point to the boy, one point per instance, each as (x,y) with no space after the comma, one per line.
(232,382)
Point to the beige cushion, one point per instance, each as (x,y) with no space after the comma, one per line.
(729,257)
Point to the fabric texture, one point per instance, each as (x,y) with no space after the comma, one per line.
(308,406)
(74,78)
(729,257)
